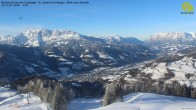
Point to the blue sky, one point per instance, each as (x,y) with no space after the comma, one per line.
(135,18)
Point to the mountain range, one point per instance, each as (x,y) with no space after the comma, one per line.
(170,42)
(61,53)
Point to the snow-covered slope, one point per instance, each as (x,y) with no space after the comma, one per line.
(138,101)
(182,70)
(171,41)
(9,100)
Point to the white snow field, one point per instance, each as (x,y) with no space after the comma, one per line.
(85,104)
(180,68)
(138,101)
(9,100)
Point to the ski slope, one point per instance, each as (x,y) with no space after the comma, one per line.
(9,100)
(138,101)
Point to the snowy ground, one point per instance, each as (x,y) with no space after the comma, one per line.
(180,68)
(12,101)
(85,104)
(138,101)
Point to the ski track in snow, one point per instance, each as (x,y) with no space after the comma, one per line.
(135,98)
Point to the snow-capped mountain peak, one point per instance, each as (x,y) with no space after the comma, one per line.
(50,33)
(38,37)
(108,37)
(193,34)
(171,35)
(41,37)
(171,41)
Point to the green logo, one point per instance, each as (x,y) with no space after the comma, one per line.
(187,8)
